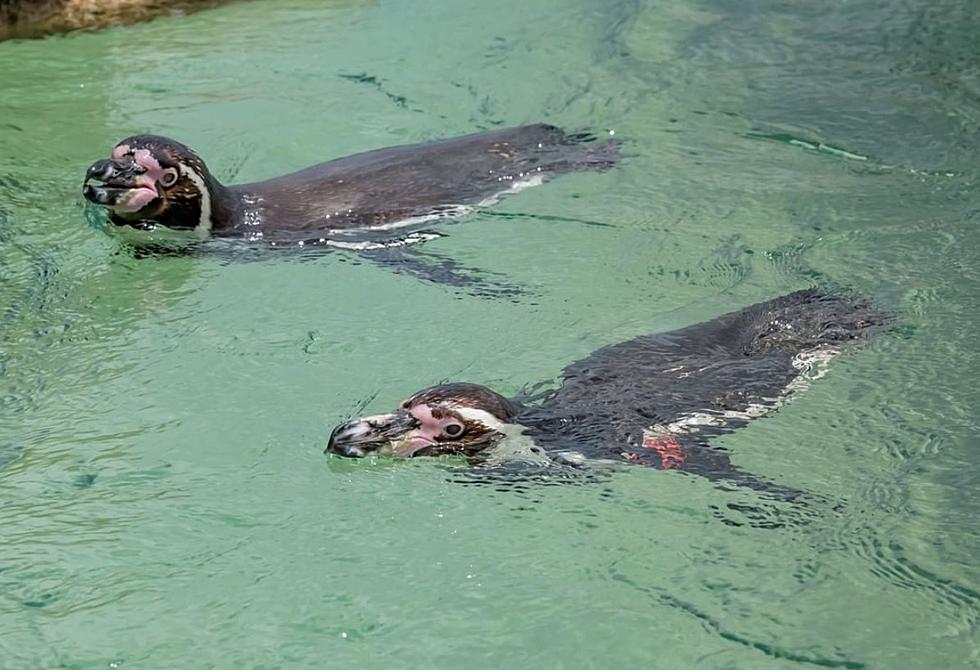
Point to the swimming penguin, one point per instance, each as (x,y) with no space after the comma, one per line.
(151,181)
(154,183)
(655,400)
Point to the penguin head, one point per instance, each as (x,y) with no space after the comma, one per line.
(461,419)
(150,181)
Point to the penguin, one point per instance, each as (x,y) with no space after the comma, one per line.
(656,400)
(359,203)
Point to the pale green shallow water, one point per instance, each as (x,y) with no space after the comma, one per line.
(164,499)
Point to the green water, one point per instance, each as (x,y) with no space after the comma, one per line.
(164,499)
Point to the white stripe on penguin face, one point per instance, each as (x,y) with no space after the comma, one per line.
(484,417)
(204,224)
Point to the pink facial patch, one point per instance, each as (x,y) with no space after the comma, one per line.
(146,183)
(145,158)
(431,426)
(136,199)
(425,435)
(411,446)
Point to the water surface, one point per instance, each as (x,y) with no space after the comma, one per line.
(165,500)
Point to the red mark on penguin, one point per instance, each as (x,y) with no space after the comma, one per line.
(671,454)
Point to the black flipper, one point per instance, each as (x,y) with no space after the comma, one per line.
(394,256)
(438,269)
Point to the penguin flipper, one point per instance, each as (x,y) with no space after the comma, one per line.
(437,269)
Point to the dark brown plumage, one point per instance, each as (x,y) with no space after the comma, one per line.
(374,189)
(655,400)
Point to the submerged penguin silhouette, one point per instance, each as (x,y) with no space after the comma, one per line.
(655,400)
(154,183)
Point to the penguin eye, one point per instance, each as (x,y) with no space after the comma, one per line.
(453,429)
(169,177)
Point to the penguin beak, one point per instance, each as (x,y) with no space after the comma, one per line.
(120,184)
(117,175)
(380,434)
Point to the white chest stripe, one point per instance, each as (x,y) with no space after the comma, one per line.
(204,224)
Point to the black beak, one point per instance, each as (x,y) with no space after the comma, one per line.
(117,171)
(362,437)
(338,443)
(117,175)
